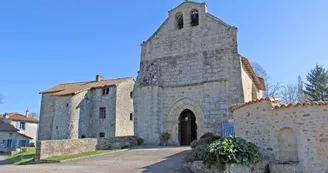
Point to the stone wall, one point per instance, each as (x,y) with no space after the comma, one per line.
(49,148)
(98,124)
(77,116)
(250,90)
(197,68)
(47,113)
(116,143)
(124,107)
(286,133)
(199,167)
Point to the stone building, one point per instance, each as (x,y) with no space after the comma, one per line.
(286,133)
(190,74)
(100,108)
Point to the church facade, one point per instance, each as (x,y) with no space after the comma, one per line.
(190,74)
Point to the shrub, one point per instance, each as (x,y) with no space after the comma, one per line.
(32,144)
(207,138)
(165,136)
(140,141)
(231,150)
(200,152)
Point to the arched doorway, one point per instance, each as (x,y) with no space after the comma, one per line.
(187,127)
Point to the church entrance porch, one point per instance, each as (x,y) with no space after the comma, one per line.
(187,127)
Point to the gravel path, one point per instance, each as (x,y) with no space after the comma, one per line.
(144,160)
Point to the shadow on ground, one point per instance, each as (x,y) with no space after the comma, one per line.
(171,164)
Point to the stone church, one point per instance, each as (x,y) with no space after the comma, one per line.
(190,74)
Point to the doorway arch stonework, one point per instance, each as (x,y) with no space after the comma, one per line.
(171,123)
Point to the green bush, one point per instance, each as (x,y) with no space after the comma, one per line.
(165,136)
(140,141)
(32,144)
(231,150)
(207,138)
(200,152)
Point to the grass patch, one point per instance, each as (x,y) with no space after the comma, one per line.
(21,158)
(90,153)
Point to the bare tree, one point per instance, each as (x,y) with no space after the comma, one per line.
(33,115)
(2,98)
(273,89)
(289,94)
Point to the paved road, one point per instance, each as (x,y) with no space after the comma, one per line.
(150,160)
(2,158)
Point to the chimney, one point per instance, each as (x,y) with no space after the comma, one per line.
(99,78)
(5,119)
(26,113)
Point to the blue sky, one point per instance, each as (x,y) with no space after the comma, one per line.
(45,43)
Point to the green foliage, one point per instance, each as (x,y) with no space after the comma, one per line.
(200,152)
(165,136)
(85,154)
(32,144)
(22,158)
(317,89)
(231,150)
(23,150)
(207,138)
(140,141)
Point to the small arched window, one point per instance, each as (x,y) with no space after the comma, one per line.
(179,20)
(194,18)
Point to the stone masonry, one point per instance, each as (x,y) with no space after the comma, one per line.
(72,111)
(194,67)
(292,133)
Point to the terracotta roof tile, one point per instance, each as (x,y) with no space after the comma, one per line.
(313,103)
(24,135)
(7,127)
(259,82)
(235,107)
(19,117)
(75,88)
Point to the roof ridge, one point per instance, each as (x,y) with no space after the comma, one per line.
(187,1)
(96,81)
(270,98)
(219,20)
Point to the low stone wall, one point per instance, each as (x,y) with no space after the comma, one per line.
(116,143)
(199,167)
(287,168)
(49,148)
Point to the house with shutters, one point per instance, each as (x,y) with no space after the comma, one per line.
(10,137)
(26,125)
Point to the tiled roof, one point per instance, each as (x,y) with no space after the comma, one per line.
(7,127)
(75,88)
(19,117)
(313,103)
(235,107)
(259,82)
(24,135)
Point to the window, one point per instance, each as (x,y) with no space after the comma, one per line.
(105,91)
(23,143)
(101,134)
(10,134)
(194,18)
(102,112)
(9,142)
(22,125)
(179,20)
(131,116)
(131,94)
